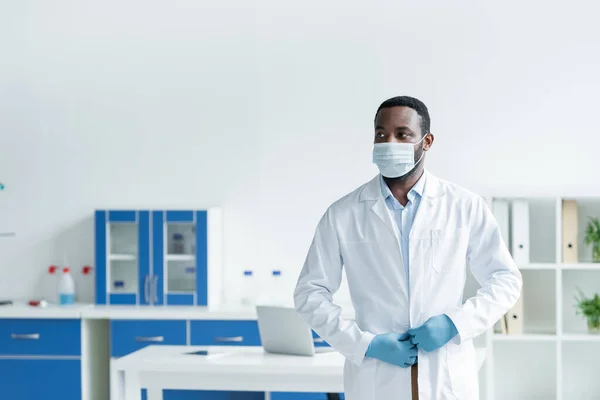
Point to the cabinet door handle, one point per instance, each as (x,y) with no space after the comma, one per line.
(27,336)
(234,339)
(147,289)
(156,339)
(319,340)
(155,289)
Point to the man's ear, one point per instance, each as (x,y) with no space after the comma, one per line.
(428,141)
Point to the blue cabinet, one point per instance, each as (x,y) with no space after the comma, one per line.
(122,248)
(158,257)
(298,396)
(129,336)
(180,257)
(40,359)
(51,379)
(40,337)
(224,333)
(208,395)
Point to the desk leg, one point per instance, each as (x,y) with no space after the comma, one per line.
(154,393)
(114,381)
(129,386)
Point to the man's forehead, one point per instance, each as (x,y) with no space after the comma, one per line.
(398,115)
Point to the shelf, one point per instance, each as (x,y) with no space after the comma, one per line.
(554,266)
(525,337)
(581,266)
(122,257)
(539,266)
(574,337)
(569,337)
(180,257)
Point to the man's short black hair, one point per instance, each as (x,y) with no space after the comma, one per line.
(411,102)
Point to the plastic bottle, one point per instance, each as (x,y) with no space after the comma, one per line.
(248,289)
(66,288)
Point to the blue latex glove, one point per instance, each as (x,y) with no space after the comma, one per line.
(393,348)
(434,333)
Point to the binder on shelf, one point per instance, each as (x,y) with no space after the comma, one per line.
(501,326)
(569,232)
(514,318)
(520,232)
(500,210)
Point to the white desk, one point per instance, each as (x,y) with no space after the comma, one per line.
(232,368)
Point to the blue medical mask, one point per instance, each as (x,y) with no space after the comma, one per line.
(395,160)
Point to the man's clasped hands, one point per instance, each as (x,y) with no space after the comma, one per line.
(401,348)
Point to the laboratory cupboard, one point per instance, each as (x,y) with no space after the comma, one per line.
(158,257)
(40,359)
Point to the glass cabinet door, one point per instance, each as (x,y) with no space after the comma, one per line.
(175,241)
(127,257)
(122,242)
(181,257)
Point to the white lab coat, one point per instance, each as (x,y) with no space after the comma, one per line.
(453,229)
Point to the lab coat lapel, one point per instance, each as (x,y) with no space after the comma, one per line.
(372,192)
(382,211)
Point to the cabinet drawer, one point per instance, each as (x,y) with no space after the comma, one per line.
(33,379)
(131,335)
(44,337)
(225,333)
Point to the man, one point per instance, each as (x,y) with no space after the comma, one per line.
(405,240)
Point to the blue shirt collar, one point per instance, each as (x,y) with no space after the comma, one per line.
(416,190)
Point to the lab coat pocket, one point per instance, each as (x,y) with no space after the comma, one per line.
(360,381)
(447,249)
(462,370)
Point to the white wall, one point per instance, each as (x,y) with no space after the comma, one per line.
(266,108)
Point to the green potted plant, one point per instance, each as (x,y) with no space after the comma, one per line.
(589,308)
(592,236)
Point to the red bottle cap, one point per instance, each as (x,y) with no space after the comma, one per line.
(86,269)
(66,269)
(52,269)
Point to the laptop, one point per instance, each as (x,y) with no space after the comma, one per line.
(283,331)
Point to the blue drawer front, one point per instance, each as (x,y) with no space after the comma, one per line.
(48,379)
(298,396)
(225,333)
(209,395)
(44,337)
(131,335)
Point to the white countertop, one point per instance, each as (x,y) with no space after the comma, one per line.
(169,312)
(23,310)
(92,311)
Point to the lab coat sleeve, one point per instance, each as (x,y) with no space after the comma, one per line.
(494,269)
(313,297)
